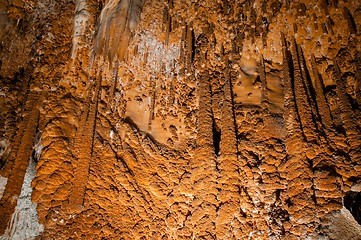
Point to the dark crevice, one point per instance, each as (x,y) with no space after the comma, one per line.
(350,21)
(278,194)
(35,155)
(310,93)
(216,138)
(313,196)
(289,202)
(121,160)
(353,102)
(352,201)
(17,78)
(131,123)
(230,77)
(93,136)
(193,46)
(323,91)
(331,170)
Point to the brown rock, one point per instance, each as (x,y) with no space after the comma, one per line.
(179,119)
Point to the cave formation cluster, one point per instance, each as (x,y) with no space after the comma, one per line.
(180,119)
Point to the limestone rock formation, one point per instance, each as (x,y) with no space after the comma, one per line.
(172,119)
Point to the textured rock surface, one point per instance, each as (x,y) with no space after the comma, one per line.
(182,119)
(24,223)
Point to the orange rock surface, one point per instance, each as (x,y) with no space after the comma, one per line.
(182,119)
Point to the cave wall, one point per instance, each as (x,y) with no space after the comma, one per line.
(181,119)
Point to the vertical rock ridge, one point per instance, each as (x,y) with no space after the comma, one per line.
(301,96)
(228,179)
(296,167)
(347,115)
(15,181)
(84,144)
(321,101)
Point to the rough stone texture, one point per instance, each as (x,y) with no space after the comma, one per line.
(182,119)
(24,223)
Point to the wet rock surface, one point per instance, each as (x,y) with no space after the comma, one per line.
(182,119)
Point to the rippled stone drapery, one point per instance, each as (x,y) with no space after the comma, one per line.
(182,119)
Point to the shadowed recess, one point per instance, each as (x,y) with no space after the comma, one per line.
(352,202)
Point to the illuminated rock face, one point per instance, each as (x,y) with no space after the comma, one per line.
(181,119)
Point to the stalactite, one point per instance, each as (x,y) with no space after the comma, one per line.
(358,79)
(239,42)
(21,160)
(310,93)
(347,115)
(189,46)
(298,184)
(171,94)
(227,161)
(307,83)
(301,96)
(183,50)
(289,98)
(346,109)
(205,119)
(228,124)
(168,29)
(262,72)
(167,21)
(83,146)
(322,163)
(204,167)
(17,138)
(118,20)
(165,17)
(113,87)
(152,94)
(11,131)
(253,24)
(81,23)
(322,105)
(265,30)
(350,21)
